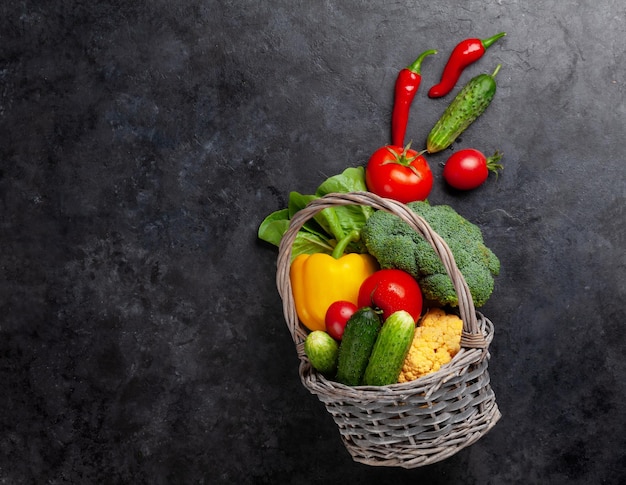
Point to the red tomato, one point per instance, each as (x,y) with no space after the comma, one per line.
(391,290)
(337,316)
(399,174)
(469,168)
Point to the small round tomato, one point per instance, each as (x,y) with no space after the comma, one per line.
(398,173)
(391,290)
(337,316)
(469,168)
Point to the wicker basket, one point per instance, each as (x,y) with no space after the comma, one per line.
(415,423)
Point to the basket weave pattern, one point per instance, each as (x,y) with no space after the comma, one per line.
(415,423)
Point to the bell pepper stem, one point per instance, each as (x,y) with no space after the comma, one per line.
(352,236)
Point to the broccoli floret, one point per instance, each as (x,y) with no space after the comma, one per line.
(395,245)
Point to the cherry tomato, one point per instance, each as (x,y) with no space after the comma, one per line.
(391,290)
(337,316)
(399,174)
(469,168)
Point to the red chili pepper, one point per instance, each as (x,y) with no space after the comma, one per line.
(407,83)
(465,53)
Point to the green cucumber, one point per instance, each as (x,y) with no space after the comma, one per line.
(464,109)
(357,343)
(322,351)
(390,350)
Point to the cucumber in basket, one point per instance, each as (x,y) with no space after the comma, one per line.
(390,350)
(356,346)
(322,350)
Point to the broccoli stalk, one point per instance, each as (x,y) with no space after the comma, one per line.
(395,245)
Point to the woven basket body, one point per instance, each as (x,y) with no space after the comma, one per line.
(415,423)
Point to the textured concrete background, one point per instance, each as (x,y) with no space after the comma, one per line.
(142,143)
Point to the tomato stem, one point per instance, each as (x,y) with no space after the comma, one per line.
(402,158)
(492,163)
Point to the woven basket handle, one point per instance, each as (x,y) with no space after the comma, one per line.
(472,336)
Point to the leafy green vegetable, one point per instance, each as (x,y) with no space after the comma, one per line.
(328,226)
(274,226)
(352,179)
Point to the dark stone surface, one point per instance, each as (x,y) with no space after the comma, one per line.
(142,338)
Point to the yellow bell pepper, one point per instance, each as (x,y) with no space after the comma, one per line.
(319,279)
